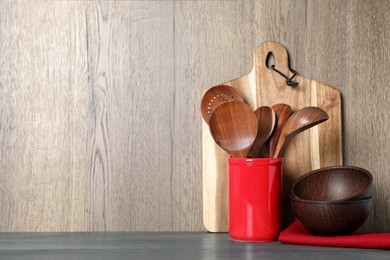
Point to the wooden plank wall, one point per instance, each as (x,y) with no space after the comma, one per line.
(100,128)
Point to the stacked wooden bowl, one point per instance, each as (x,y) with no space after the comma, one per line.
(333,200)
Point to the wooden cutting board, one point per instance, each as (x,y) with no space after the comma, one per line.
(318,147)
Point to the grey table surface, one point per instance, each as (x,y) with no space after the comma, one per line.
(163,246)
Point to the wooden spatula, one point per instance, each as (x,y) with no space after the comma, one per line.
(266,122)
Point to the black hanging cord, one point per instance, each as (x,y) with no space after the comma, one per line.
(289,81)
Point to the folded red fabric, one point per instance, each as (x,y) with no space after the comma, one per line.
(297,234)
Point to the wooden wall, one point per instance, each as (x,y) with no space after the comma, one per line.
(100,128)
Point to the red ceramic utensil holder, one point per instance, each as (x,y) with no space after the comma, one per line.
(255,194)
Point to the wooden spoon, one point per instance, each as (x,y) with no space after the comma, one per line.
(283,113)
(300,121)
(215,96)
(233,125)
(266,123)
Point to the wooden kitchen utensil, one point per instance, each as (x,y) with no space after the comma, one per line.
(215,96)
(300,121)
(233,125)
(282,113)
(318,147)
(266,122)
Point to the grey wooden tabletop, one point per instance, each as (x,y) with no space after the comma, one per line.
(162,246)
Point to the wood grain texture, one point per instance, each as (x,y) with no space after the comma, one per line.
(46,128)
(87,118)
(140,107)
(100,126)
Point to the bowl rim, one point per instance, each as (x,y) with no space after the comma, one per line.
(295,198)
(320,170)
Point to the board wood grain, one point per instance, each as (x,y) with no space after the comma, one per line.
(100,127)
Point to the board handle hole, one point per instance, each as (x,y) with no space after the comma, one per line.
(270,60)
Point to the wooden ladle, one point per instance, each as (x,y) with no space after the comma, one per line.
(266,123)
(215,96)
(283,113)
(299,121)
(233,125)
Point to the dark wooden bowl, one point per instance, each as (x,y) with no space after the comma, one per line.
(336,183)
(326,218)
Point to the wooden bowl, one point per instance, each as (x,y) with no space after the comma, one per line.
(331,218)
(336,183)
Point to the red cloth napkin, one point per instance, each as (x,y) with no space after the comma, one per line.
(297,234)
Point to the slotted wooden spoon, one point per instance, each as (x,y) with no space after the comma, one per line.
(215,96)
(233,125)
(299,121)
(266,122)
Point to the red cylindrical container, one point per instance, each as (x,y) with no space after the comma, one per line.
(255,193)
